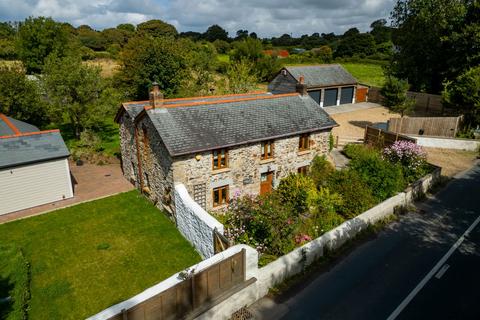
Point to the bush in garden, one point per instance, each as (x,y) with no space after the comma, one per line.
(293,192)
(261,222)
(320,169)
(384,178)
(324,205)
(355,192)
(353,151)
(410,156)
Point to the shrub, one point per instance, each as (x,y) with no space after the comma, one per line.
(410,156)
(262,222)
(331,142)
(320,169)
(293,192)
(353,151)
(355,192)
(383,177)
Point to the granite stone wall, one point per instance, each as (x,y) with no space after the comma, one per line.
(127,148)
(245,167)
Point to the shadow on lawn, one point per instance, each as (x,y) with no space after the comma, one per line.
(6,304)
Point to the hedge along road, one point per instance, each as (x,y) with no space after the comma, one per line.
(424,266)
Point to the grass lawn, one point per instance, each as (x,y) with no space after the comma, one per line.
(371,74)
(89,256)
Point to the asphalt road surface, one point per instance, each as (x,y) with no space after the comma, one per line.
(424,266)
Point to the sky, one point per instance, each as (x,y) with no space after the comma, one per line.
(265,17)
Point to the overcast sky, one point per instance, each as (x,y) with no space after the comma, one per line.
(266,17)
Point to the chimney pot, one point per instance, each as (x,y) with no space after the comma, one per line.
(156,96)
(301,80)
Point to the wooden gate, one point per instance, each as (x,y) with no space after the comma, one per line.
(196,294)
(220,242)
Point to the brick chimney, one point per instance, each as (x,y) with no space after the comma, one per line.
(156,96)
(301,87)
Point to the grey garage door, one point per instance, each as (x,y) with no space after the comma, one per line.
(316,95)
(347,95)
(330,97)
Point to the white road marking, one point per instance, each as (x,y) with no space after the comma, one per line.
(432,272)
(442,271)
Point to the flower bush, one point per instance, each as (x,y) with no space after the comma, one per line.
(410,156)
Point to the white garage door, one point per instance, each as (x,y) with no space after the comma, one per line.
(33,185)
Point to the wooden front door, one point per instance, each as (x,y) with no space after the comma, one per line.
(266,182)
(361,94)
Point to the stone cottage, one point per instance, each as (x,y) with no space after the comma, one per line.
(327,84)
(219,146)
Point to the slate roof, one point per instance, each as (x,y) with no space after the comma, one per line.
(23,127)
(22,143)
(322,75)
(212,124)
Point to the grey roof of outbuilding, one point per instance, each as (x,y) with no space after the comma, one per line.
(190,129)
(23,127)
(322,75)
(30,148)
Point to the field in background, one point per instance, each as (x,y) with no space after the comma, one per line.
(109,66)
(87,257)
(370,74)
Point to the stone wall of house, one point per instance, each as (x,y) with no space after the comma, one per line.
(156,165)
(244,167)
(127,148)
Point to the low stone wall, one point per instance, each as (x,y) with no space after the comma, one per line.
(195,223)
(447,143)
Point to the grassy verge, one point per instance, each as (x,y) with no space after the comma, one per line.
(90,256)
(14,284)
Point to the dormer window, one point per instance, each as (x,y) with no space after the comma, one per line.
(220,159)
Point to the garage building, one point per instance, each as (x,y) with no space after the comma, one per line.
(328,85)
(34,168)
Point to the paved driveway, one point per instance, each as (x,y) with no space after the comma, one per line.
(351,107)
(89,182)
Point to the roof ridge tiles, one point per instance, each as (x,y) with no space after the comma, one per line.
(29,133)
(198,103)
(258,92)
(9,124)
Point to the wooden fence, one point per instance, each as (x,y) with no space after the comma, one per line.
(425,103)
(381,138)
(196,294)
(428,126)
(220,242)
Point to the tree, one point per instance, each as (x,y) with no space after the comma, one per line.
(394,93)
(253,35)
(91,38)
(76,94)
(241,77)
(380,31)
(215,32)
(39,37)
(126,27)
(249,48)
(20,97)
(156,28)
(464,93)
(241,34)
(148,59)
(222,46)
(353,43)
(324,53)
(434,40)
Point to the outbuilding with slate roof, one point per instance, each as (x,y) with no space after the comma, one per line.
(327,84)
(33,166)
(218,146)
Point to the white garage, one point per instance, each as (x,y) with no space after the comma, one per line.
(33,166)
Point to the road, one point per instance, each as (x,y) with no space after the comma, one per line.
(424,266)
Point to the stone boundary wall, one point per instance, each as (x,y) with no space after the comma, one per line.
(447,143)
(194,223)
(282,268)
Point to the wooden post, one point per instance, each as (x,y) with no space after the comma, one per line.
(336,142)
(244,264)
(192,284)
(124,314)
